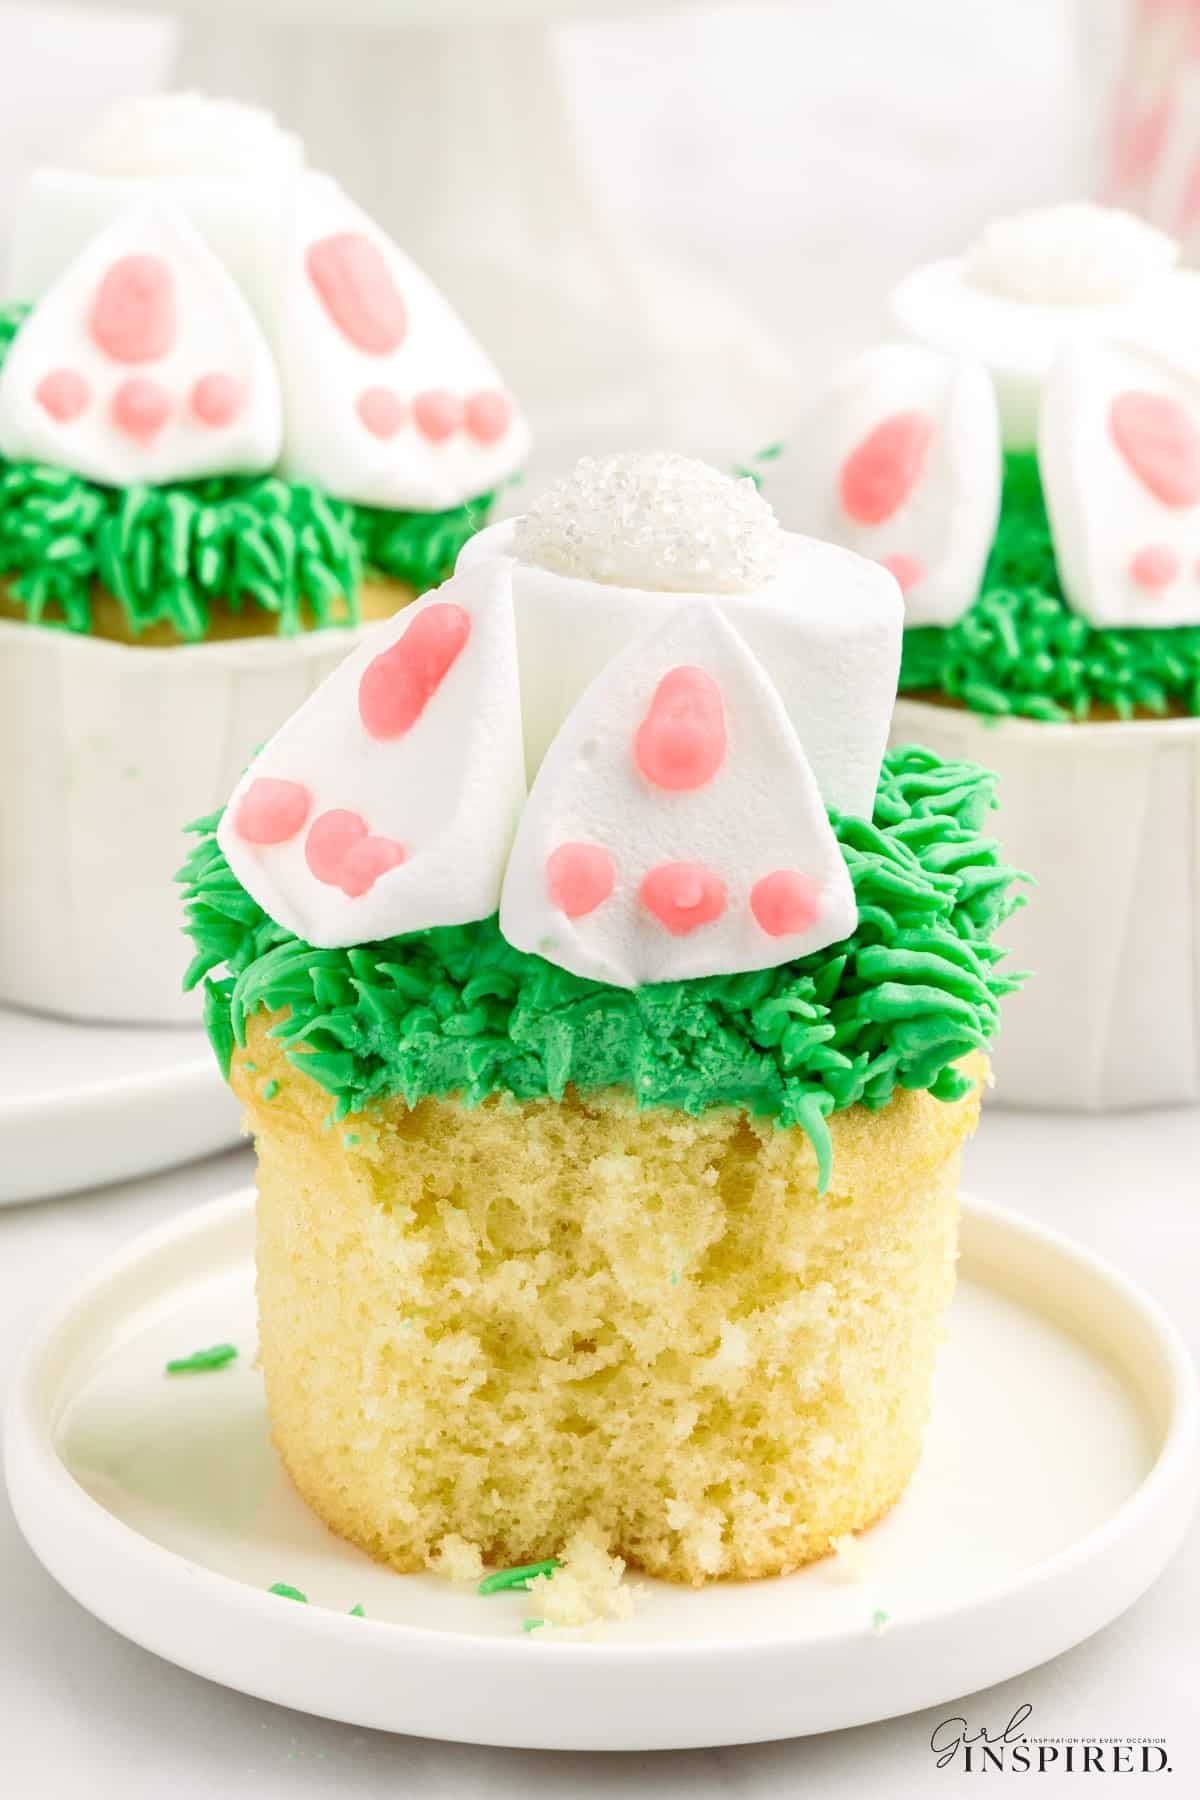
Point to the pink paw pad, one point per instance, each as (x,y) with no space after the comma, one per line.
(133,314)
(330,840)
(356,289)
(906,569)
(398,685)
(140,408)
(271,812)
(488,416)
(1154,567)
(579,878)
(63,394)
(216,400)
(680,744)
(381,411)
(365,862)
(438,413)
(1160,442)
(341,852)
(785,902)
(880,473)
(682,896)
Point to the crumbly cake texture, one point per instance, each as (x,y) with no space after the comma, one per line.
(585,1589)
(1020,650)
(458,1561)
(511,1321)
(180,559)
(466,1327)
(457,1010)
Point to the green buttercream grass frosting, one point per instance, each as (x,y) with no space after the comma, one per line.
(1020,649)
(252,542)
(458,1010)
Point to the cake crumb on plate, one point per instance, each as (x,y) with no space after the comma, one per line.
(585,1589)
(851,1558)
(459,1560)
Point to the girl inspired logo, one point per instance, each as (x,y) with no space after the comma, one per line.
(955,1744)
(952,1738)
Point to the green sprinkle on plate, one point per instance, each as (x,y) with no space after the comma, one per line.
(214,1358)
(532,1624)
(288,1593)
(356,1612)
(519,1577)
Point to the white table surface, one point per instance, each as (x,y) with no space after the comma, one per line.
(87,1714)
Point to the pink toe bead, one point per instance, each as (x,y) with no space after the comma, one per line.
(682,896)
(488,416)
(341,852)
(438,413)
(579,878)
(1154,567)
(381,411)
(680,744)
(785,902)
(133,314)
(880,473)
(140,408)
(62,393)
(906,569)
(330,840)
(271,812)
(216,399)
(398,685)
(365,861)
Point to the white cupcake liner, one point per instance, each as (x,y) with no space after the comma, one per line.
(1106,817)
(106,752)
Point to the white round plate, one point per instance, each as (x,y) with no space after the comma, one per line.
(81,1105)
(1058,1478)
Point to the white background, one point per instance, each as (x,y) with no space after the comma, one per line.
(87,1716)
(787,161)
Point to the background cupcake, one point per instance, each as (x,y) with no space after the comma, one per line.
(1030,473)
(608,1132)
(235,422)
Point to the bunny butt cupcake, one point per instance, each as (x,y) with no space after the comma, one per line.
(1029,470)
(610,1014)
(236,422)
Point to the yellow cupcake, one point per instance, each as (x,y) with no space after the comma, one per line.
(602,1224)
(501,1321)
